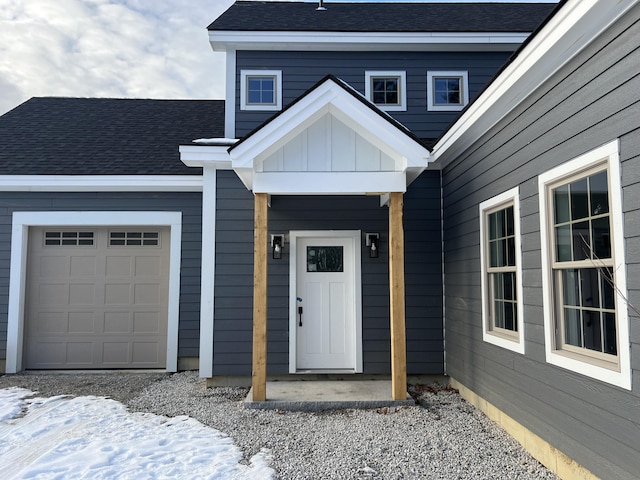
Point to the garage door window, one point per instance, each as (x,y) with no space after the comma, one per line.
(133,239)
(60,239)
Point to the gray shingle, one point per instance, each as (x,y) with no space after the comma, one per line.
(103,136)
(382,17)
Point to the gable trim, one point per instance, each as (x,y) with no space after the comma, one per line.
(575,24)
(331,96)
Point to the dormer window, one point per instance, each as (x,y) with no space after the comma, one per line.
(387,90)
(447,91)
(261,90)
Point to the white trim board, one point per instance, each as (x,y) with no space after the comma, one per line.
(226,40)
(570,30)
(18,269)
(101,183)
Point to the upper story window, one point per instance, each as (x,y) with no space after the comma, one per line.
(501,281)
(261,90)
(388,90)
(447,91)
(584,285)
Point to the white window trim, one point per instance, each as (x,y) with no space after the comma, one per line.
(608,153)
(18,269)
(505,199)
(402,107)
(262,73)
(464,93)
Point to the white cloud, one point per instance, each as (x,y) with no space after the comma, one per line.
(108,48)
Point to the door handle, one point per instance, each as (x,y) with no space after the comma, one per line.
(298,299)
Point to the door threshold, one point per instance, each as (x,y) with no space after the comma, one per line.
(340,371)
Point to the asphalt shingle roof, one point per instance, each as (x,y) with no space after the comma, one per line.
(104,136)
(382,17)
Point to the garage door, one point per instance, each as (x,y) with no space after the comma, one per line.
(97,298)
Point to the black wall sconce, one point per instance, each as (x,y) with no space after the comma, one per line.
(277,243)
(372,240)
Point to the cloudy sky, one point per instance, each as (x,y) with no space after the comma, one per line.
(109,48)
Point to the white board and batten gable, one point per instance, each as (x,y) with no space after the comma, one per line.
(331,141)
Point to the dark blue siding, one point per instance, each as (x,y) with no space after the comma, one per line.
(592,101)
(234,275)
(302,70)
(190,204)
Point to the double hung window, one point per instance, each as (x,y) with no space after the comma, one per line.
(583,266)
(501,271)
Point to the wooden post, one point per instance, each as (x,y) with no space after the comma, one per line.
(396,294)
(259,372)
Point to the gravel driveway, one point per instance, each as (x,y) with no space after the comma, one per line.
(442,438)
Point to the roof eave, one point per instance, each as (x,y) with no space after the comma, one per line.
(563,37)
(222,41)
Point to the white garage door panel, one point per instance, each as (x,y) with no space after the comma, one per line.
(96,306)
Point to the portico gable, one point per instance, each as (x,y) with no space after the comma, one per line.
(330,141)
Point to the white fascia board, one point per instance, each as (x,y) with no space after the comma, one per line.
(329,183)
(101,183)
(204,155)
(222,41)
(561,39)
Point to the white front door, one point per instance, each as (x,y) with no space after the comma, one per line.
(327,304)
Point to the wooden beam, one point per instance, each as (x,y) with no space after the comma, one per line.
(259,368)
(396,293)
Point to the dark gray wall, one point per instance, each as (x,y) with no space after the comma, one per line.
(190,204)
(590,102)
(302,70)
(234,275)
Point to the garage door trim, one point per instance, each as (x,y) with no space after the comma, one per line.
(18,273)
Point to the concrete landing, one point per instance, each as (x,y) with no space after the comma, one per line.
(326,395)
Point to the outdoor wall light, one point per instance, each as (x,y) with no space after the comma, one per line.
(371,241)
(277,242)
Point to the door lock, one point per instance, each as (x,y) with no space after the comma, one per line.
(299,300)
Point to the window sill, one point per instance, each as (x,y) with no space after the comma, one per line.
(608,372)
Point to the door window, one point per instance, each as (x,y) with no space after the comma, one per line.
(325,259)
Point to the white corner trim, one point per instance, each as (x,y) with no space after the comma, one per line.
(18,269)
(609,153)
(506,198)
(563,37)
(230,95)
(207,279)
(100,183)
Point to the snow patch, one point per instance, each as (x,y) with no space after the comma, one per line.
(97,438)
